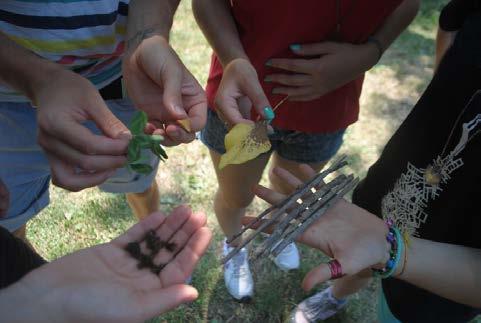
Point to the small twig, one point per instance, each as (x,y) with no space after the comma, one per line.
(282,207)
(280,103)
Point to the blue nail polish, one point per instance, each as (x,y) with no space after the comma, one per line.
(295,47)
(268,114)
(269,63)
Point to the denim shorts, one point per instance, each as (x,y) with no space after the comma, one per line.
(25,170)
(291,145)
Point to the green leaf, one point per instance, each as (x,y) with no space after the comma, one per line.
(144,141)
(133,151)
(159,151)
(141,168)
(138,123)
(157,138)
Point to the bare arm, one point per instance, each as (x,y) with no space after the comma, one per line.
(215,19)
(444,40)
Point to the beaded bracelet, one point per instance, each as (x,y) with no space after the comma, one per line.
(396,241)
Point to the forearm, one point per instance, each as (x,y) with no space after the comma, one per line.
(397,22)
(450,271)
(217,23)
(149,17)
(444,40)
(21,69)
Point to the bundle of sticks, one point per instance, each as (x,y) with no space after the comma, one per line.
(291,217)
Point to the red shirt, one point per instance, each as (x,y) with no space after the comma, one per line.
(267,28)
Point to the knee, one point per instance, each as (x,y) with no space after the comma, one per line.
(235,200)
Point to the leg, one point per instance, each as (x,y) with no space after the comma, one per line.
(235,191)
(145,203)
(291,166)
(21,233)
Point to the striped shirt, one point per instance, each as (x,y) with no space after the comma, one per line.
(86,36)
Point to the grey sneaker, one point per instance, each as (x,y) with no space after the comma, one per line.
(237,275)
(320,306)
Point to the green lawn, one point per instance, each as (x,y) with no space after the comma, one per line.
(78,220)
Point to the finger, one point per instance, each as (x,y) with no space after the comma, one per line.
(316,276)
(172,97)
(247,220)
(228,109)
(79,137)
(162,300)
(138,231)
(105,120)
(304,66)
(77,159)
(315,49)
(255,93)
(289,79)
(292,91)
(64,176)
(178,235)
(288,179)
(198,114)
(179,135)
(306,172)
(180,268)
(268,195)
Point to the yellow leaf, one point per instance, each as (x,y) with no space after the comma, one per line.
(245,142)
(185,124)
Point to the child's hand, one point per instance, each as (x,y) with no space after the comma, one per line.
(338,64)
(159,84)
(240,83)
(78,158)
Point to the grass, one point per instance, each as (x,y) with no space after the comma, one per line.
(78,220)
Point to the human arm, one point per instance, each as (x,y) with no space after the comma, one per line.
(306,78)
(239,80)
(156,80)
(357,239)
(103,283)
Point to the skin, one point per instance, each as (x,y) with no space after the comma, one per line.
(103,284)
(302,78)
(357,239)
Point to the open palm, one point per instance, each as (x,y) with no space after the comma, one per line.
(103,283)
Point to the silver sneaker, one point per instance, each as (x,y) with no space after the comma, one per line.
(288,259)
(237,275)
(320,306)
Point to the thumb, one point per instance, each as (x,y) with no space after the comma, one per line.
(314,49)
(172,96)
(106,121)
(163,300)
(255,93)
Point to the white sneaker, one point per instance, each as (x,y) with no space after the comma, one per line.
(288,259)
(320,306)
(237,275)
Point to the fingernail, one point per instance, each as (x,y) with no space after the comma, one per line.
(125,135)
(269,63)
(295,47)
(179,110)
(267,79)
(268,113)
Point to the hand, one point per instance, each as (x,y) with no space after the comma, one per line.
(238,91)
(309,78)
(159,84)
(103,284)
(353,236)
(4,199)
(78,158)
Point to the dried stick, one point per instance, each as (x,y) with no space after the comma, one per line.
(315,216)
(282,206)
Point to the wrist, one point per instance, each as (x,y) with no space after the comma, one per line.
(134,41)
(372,52)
